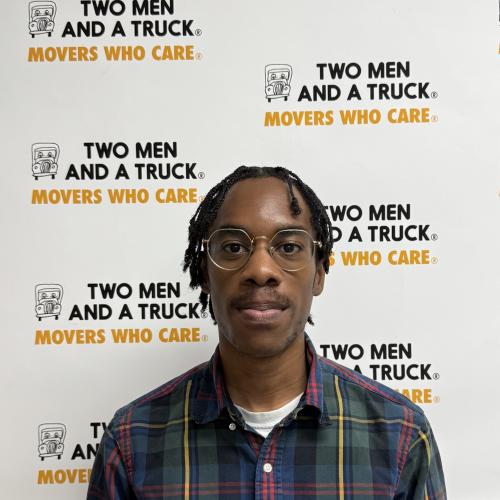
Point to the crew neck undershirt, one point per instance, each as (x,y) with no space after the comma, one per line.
(264,421)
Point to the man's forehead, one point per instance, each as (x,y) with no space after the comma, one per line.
(262,203)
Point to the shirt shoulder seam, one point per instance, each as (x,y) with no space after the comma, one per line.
(163,390)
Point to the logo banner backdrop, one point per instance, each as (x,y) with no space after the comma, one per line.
(117,118)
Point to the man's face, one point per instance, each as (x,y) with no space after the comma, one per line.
(260,309)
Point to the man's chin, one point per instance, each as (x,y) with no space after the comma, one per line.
(263,344)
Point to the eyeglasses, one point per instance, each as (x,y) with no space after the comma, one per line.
(230,249)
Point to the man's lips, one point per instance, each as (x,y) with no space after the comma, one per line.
(261,311)
(261,315)
(260,306)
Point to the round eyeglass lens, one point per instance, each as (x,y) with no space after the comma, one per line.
(292,249)
(229,248)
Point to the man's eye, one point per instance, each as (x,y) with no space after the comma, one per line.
(289,248)
(234,248)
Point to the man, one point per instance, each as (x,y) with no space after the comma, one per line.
(266,417)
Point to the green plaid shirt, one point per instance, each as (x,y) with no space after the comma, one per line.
(349,438)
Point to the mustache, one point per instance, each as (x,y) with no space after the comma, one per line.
(263,299)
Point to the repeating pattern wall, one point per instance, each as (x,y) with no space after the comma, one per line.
(118,116)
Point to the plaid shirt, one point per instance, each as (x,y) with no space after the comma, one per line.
(349,438)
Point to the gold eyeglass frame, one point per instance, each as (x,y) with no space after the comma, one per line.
(270,248)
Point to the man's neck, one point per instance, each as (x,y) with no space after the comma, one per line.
(264,383)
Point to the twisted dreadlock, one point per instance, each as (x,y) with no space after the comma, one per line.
(209,207)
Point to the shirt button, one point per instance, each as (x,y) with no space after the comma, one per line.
(232,426)
(267,467)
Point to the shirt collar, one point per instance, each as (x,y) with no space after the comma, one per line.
(212,398)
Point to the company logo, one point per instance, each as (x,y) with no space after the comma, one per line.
(349,84)
(278,78)
(41,18)
(44,159)
(119,19)
(48,300)
(121,301)
(51,440)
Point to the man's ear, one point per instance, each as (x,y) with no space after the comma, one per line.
(205,283)
(319,279)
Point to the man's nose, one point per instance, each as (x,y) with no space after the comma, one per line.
(261,268)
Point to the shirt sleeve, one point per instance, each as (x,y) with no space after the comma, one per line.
(422,475)
(109,479)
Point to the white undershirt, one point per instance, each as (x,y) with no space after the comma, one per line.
(264,421)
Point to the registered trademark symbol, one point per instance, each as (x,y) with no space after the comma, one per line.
(434,95)
(434,118)
(435,376)
(197,32)
(198,55)
(434,237)
(201,197)
(437,399)
(204,314)
(434,260)
(201,175)
(204,338)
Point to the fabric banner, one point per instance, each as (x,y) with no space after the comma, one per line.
(117,118)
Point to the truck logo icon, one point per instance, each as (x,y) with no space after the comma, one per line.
(44,158)
(41,15)
(48,300)
(51,440)
(278,77)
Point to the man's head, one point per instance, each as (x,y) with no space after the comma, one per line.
(262,306)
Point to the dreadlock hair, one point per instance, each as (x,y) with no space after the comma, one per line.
(209,207)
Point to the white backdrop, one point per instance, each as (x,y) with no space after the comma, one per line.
(406,163)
